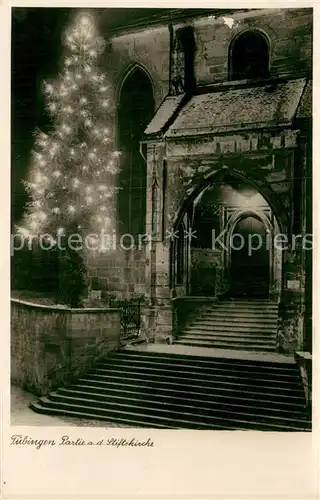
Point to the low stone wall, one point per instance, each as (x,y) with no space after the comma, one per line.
(51,344)
(304,361)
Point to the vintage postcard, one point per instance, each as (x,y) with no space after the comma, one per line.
(162,310)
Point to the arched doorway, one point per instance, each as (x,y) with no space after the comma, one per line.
(219,209)
(135,110)
(250,260)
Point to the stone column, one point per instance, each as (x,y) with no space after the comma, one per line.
(159,303)
(292,331)
(291,307)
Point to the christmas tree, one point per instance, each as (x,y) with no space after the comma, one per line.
(72,173)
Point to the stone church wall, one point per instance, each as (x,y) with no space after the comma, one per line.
(129,272)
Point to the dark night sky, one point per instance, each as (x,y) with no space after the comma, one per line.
(35,54)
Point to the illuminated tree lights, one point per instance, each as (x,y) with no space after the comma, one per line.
(72,174)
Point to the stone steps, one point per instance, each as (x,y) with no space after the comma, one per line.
(228,339)
(227,334)
(241,326)
(145,389)
(241,315)
(253,346)
(236,324)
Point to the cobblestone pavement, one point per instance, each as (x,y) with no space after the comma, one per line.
(22,415)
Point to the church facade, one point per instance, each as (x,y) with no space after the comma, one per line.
(214,122)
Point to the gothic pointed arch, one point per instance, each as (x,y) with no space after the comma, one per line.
(212,211)
(220,176)
(135,110)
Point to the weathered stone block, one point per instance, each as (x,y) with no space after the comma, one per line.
(38,331)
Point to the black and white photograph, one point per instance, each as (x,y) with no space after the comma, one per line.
(161,219)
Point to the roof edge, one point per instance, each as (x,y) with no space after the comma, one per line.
(156,135)
(173,15)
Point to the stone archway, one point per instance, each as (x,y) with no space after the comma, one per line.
(221,273)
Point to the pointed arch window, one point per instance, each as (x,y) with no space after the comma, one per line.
(249,56)
(135,110)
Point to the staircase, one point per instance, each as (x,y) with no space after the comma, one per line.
(167,390)
(237,324)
